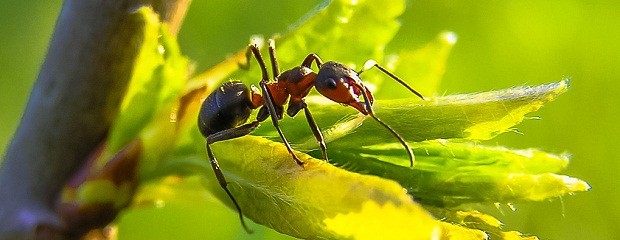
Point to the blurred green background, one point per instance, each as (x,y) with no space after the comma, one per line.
(501,44)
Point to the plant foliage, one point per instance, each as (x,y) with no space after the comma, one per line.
(372,193)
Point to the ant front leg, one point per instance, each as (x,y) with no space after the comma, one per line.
(248,55)
(269,102)
(253,49)
(275,69)
(312,58)
(221,136)
(294,108)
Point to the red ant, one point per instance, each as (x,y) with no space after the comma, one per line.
(224,112)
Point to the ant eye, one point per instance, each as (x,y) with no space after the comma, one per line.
(331,83)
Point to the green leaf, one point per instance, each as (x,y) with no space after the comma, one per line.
(173,208)
(322,201)
(317,200)
(370,24)
(160,134)
(421,68)
(104,191)
(478,116)
(456,232)
(458,224)
(137,108)
(450,174)
(158,75)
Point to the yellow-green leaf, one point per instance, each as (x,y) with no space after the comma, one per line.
(313,201)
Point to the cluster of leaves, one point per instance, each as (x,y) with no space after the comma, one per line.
(373,193)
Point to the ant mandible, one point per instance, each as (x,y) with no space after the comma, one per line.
(224,112)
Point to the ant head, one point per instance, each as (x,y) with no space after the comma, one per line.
(342,85)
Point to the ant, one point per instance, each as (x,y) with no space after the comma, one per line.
(224,112)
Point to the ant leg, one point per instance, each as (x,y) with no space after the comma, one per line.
(310,58)
(253,49)
(274,118)
(225,135)
(293,108)
(316,131)
(246,65)
(269,101)
(371,63)
(275,69)
(272,54)
(367,95)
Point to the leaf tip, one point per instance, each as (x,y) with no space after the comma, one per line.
(576,185)
(448,37)
(566,82)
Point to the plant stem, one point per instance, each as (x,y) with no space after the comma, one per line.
(71,106)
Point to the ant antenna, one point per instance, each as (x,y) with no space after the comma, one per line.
(372,63)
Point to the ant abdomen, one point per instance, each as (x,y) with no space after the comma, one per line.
(230,105)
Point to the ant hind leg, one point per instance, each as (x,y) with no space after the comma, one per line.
(221,136)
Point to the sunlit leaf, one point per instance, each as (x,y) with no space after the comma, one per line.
(478,116)
(458,224)
(158,76)
(421,68)
(314,201)
(137,107)
(323,201)
(450,174)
